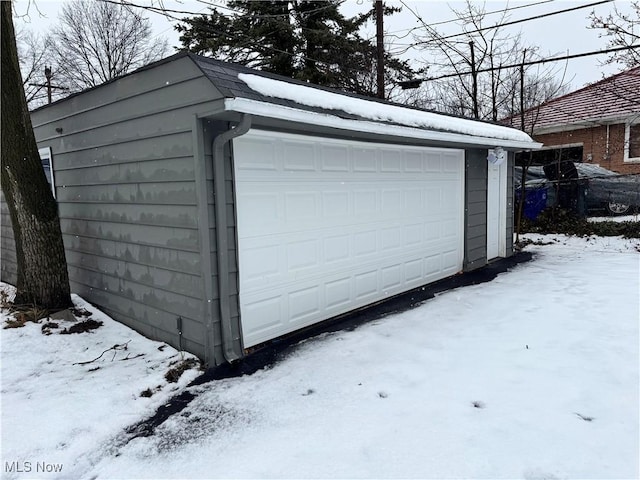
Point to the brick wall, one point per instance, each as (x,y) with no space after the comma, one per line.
(594,141)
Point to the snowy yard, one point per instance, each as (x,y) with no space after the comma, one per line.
(622,218)
(533,375)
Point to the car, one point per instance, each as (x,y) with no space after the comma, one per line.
(583,187)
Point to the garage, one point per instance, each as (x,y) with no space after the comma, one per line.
(219,208)
(328,225)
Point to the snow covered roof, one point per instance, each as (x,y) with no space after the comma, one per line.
(272,96)
(266,94)
(611,99)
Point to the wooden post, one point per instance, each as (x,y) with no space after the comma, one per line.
(474,86)
(47,75)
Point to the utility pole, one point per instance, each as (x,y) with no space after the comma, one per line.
(524,57)
(380,47)
(474,86)
(48,74)
(525,163)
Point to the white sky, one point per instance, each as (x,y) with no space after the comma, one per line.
(557,35)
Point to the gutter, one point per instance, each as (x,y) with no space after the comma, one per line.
(243,105)
(231,353)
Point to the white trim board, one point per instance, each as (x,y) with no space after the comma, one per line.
(270,110)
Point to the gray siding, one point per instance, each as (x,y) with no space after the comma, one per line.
(125,181)
(475,245)
(8,265)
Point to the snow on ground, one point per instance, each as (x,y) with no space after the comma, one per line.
(59,415)
(534,375)
(623,218)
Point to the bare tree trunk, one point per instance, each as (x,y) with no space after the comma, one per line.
(42,271)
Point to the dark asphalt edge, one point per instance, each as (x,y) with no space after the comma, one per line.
(276,350)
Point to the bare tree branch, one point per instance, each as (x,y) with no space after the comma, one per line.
(622,30)
(497,86)
(98,41)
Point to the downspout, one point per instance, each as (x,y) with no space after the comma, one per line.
(606,151)
(230,353)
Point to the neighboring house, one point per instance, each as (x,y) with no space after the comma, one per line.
(599,124)
(215,207)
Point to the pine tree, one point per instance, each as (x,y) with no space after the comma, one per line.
(258,34)
(309,40)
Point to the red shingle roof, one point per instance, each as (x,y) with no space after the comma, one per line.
(612,98)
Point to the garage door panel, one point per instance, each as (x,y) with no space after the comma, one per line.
(263,211)
(413,162)
(364,159)
(278,210)
(298,156)
(391,161)
(412,235)
(335,203)
(391,200)
(334,158)
(365,202)
(347,225)
(315,299)
(413,271)
(433,163)
(432,231)
(304,302)
(336,248)
(267,160)
(303,254)
(391,277)
(285,279)
(364,243)
(266,313)
(337,293)
(449,229)
(432,265)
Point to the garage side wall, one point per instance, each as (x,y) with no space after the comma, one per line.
(8,265)
(475,249)
(124,167)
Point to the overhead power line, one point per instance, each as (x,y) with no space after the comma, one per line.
(463,18)
(522,20)
(414,83)
(504,10)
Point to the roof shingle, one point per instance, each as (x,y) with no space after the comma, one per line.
(612,98)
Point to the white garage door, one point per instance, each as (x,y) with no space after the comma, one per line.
(326,226)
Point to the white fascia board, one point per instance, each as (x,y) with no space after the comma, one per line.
(243,105)
(562,145)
